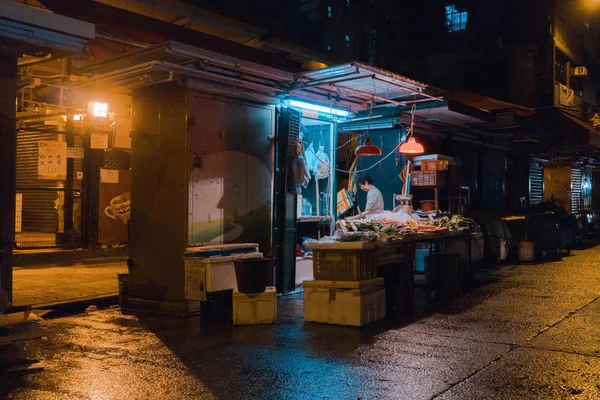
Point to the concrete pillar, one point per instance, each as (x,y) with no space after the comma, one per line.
(8,149)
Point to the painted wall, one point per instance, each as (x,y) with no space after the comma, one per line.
(230,195)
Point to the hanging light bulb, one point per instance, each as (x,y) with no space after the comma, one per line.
(367,149)
(412,147)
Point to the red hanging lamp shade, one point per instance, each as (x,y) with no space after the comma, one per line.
(367,149)
(412,147)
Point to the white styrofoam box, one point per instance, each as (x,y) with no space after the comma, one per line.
(221,250)
(353,303)
(254,309)
(211,274)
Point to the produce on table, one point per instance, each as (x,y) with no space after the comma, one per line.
(384,230)
(358,237)
(454,222)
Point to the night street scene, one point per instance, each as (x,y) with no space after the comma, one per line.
(299,199)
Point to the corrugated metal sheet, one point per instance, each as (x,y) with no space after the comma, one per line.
(41,217)
(576,195)
(536,185)
(38,213)
(361,84)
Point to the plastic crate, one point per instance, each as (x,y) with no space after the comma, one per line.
(344,265)
(428,178)
(434,165)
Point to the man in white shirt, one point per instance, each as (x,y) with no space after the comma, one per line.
(374,197)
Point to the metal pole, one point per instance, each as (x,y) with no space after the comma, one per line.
(8,172)
(68,206)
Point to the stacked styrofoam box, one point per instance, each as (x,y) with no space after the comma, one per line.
(344,302)
(353,303)
(256,308)
(210,268)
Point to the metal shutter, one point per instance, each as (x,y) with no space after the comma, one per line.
(576,205)
(536,185)
(38,212)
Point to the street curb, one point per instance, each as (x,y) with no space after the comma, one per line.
(70,307)
(70,256)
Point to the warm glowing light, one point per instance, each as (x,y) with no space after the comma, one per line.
(412,147)
(315,107)
(100,110)
(76,117)
(367,149)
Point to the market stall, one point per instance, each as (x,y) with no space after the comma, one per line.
(382,246)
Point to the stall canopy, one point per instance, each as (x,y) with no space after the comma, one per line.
(353,86)
(42,28)
(358,86)
(196,68)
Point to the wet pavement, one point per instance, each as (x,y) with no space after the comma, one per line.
(530,331)
(50,284)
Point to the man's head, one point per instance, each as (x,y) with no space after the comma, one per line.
(365,182)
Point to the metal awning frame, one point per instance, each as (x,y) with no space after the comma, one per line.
(352,80)
(341,86)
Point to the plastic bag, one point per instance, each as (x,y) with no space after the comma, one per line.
(322,166)
(311,159)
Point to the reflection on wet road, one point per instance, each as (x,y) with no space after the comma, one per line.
(530,332)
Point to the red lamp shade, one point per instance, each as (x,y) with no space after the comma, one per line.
(412,147)
(367,149)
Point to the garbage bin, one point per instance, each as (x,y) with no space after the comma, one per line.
(252,275)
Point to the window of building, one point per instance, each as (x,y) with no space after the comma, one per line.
(328,48)
(455,20)
(348,3)
(347,41)
(329,11)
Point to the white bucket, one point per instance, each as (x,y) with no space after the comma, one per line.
(503,250)
(526,251)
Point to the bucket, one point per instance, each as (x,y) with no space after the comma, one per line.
(123,289)
(427,205)
(252,275)
(503,250)
(526,251)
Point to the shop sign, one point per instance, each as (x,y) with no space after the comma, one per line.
(580,71)
(74,152)
(99,141)
(566,96)
(310,114)
(109,175)
(52,160)
(595,120)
